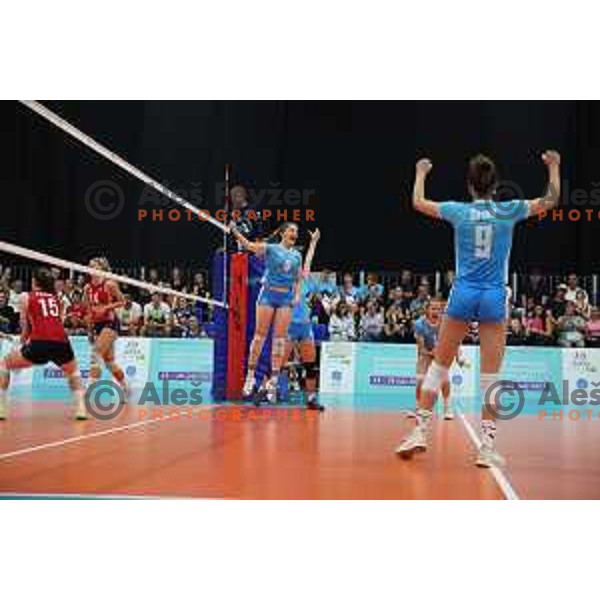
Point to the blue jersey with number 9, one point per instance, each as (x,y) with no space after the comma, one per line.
(483,232)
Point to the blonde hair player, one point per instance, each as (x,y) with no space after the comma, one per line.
(102,298)
(426,330)
(275,301)
(44,324)
(483,232)
(300,335)
(43,340)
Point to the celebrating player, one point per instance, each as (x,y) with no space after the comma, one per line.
(300,335)
(43,340)
(483,238)
(274,306)
(103,297)
(426,332)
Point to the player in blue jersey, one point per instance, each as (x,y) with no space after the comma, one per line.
(300,334)
(426,333)
(275,301)
(483,232)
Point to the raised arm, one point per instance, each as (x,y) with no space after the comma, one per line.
(419,202)
(315,236)
(254,247)
(305,271)
(549,201)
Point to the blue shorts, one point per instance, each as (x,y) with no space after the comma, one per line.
(275,299)
(300,332)
(470,303)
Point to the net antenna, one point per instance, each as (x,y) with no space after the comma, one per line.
(227,206)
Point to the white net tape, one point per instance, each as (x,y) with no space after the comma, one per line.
(67,264)
(85,139)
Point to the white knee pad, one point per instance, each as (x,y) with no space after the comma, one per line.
(435,376)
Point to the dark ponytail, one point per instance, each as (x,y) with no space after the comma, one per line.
(482,177)
(44,279)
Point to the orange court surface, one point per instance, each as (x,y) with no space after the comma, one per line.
(340,454)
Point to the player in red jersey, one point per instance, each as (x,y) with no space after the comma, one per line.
(102,297)
(43,340)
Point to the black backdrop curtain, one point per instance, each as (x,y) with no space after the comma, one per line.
(358,157)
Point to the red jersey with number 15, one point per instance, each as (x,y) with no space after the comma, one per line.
(45,318)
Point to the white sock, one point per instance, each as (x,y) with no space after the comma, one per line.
(79,398)
(488,433)
(423,418)
(3,404)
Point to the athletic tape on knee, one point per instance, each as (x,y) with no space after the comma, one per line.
(435,376)
(95,368)
(278,348)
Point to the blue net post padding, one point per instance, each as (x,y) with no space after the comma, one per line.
(220,317)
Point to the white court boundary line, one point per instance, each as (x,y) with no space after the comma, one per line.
(78,496)
(501,479)
(67,264)
(79,438)
(86,436)
(503,483)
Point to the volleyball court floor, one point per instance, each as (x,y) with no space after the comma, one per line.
(233,452)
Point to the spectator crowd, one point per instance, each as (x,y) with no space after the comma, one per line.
(143,314)
(540,314)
